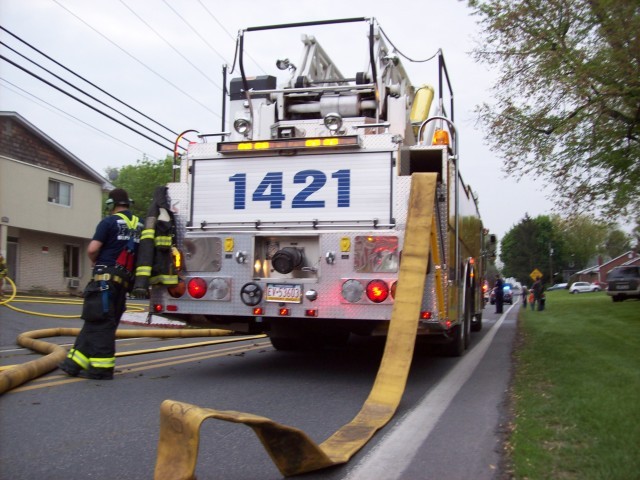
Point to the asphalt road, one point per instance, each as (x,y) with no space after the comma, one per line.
(448,425)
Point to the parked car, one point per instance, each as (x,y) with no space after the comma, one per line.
(557,286)
(508,295)
(581,287)
(623,282)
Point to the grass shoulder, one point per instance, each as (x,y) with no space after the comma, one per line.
(575,395)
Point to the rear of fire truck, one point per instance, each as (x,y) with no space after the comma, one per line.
(292,221)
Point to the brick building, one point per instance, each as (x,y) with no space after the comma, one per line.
(50,203)
(598,273)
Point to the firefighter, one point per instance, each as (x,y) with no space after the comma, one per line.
(3,274)
(112,252)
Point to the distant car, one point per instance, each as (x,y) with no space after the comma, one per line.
(581,287)
(557,286)
(623,282)
(507,296)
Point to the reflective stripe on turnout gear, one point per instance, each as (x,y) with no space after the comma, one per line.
(107,362)
(78,357)
(163,241)
(147,234)
(165,279)
(143,270)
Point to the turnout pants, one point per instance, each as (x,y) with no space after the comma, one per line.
(95,348)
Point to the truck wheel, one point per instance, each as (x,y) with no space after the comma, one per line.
(285,344)
(455,348)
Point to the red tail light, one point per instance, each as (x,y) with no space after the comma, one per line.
(377,291)
(197,287)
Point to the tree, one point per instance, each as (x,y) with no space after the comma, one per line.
(567,103)
(140,181)
(616,243)
(584,237)
(534,243)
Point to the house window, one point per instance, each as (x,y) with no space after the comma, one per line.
(71,266)
(59,192)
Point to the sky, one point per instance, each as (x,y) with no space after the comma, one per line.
(165,58)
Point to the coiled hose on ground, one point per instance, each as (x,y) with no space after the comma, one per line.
(54,354)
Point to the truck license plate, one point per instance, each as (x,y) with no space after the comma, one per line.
(622,286)
(279,292)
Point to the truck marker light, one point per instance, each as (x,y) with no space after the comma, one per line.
(394,287)
(284,312)
(312,312)
(172,308)
(377,291)
(228,244)
(344,141)
(176,256)
(345,244)
(440,137)
(425,315)
(157,308)
(197,287)
(258,311)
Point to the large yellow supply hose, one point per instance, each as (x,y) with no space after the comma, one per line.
(19,374)
(291,449)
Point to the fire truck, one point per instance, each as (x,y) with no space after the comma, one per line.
(291,220)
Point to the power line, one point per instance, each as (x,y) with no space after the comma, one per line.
(62,112)
(83,92)
(194,31)
(229,34)
(85,80)
(137,60)
(171,46)
(2,57)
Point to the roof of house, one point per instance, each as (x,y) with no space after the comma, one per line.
(632,254)
(59,148)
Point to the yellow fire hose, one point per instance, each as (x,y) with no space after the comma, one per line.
(291,449)
(19,374)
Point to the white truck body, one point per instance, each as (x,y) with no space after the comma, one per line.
(296,230)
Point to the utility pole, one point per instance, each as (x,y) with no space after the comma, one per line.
(550,264)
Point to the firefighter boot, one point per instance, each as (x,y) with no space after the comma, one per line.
(100,373)
(69,367)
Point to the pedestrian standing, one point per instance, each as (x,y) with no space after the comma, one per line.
(112,252)
(3,274)
(538,293)
(524,296)
(499,287)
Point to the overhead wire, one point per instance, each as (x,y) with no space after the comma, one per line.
(26,70)
(52,108)
(231,36)
(83,91)
(86,80)
(171,46)
(194,31)
(136,59)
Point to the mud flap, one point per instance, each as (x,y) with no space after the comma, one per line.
(291,449)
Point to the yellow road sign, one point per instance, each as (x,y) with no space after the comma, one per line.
(536,274)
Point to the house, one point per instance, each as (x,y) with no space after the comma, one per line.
(50,204)
(598,273)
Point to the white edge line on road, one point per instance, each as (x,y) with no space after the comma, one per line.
(395,451)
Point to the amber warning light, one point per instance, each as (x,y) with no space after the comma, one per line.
(345,141)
